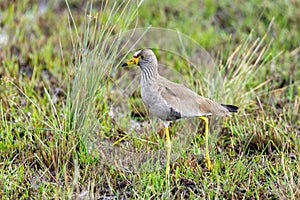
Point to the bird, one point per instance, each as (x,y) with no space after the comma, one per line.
(170,101)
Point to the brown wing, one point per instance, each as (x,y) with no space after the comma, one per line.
(187,102)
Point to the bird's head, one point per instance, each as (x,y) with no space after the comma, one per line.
(142,58)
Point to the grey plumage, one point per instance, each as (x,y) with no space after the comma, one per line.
(170,101)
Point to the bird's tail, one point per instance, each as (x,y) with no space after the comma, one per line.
(230,108)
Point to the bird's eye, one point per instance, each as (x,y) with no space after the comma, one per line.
(142,56)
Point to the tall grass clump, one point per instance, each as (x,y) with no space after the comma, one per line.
(95,51)
(243,65)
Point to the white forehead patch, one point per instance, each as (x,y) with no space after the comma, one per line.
(137,53)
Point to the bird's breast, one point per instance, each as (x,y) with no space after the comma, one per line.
(149,95)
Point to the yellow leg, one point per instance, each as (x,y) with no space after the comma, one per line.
(208,163)
(168,145)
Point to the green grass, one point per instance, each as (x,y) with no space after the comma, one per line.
(63,102)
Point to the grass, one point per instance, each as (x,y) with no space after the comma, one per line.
(64,102)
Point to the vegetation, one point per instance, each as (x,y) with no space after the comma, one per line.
(65,102)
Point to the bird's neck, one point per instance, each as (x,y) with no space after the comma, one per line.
(148,75)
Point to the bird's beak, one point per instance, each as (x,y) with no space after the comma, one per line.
(134,61)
